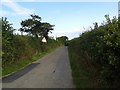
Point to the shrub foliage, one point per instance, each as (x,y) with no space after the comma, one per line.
(16,48)
(101,47)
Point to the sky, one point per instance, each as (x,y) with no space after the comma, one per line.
(70,18)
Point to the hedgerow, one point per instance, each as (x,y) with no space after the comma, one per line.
(101,47)
(16,48)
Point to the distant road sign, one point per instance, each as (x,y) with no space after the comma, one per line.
(44,40)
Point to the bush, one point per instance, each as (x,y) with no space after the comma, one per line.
(16,48)
(101,47)
(22,47)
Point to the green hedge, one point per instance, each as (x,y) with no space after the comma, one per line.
(101,48)
(24,47)
(18,50)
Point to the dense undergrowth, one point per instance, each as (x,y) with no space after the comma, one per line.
(96,52)
(21,50)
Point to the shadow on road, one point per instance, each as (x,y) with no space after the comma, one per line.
(20,73)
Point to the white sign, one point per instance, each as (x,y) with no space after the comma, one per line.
(44,40)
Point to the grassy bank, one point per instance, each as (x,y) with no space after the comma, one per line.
(84,74)
(21,64)
(20,51)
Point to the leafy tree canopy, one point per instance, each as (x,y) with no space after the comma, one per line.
(62,39)
(35,27)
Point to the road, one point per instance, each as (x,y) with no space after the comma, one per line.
(51,71)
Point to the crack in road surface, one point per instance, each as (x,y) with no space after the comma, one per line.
(51,71)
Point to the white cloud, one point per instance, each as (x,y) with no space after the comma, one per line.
(3,12)
(18,10)
(69,33)
(78,30)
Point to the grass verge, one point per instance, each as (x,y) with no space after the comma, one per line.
(23,63)
(84,75)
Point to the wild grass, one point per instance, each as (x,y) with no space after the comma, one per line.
(84,75)
(9,69)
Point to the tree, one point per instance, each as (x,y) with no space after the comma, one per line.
(62,39)
(31,25)
(7,29)
(45,28)
(0,39)
(34,26)
(7,40)
(119,22)
(95,25)
(101,47)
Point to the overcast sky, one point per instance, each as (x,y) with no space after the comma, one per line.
(69,18)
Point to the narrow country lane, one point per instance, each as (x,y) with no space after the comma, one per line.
(51,71)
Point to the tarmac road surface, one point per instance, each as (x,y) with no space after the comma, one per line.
(51,71)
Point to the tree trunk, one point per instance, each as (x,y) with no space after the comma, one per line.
(36,35)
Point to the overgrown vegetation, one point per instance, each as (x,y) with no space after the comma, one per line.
(0,47)
(62,39)
(95,55)
(20,50)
